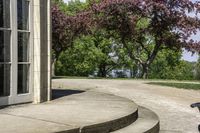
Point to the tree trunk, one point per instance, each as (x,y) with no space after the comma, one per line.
(102,71)
(145,70)
(53,63)
(134,71)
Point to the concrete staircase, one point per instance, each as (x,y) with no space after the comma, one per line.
(141,120)
(147,122)
(82,112)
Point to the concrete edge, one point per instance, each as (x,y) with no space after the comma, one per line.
(112,125)
(156,127)
(145,116)
(76,130)
(108,126)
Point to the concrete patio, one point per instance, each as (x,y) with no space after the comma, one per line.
(76,111)
(103,106)
(172,105)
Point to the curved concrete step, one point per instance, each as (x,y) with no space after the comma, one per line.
(82,112)
(147,122)
(169,131)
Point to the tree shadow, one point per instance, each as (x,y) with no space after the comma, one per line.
(58,93)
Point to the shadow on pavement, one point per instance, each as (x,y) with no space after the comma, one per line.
(56,93)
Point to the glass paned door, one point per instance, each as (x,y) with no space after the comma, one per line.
(4,13)
(5,45)
(4,80)
(23,46)
(15,52)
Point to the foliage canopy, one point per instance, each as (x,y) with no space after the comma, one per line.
(143,28)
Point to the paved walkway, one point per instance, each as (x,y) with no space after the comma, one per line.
(172,105)
(80,110)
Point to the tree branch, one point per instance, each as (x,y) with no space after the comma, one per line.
(131,55)
(155,51)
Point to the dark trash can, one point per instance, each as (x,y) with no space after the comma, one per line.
(194,105)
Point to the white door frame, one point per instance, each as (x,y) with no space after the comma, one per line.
(14,97)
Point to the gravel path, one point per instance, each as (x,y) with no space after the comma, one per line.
(172,105)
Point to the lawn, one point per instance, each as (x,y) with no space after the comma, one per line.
(193,86)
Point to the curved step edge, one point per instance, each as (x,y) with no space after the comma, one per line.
(108,126)
(147,122)
(112,125)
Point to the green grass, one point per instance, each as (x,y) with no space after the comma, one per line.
(79,77)
(68,77)
(193,86)
(150,80)
(74,77)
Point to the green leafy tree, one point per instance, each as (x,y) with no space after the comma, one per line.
(185,71)
(168,65)
(88,54)
(80,60)
(169,26)
(67,25)
(197,69)
(75,6)
(108,59)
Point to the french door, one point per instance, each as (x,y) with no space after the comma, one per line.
(15,51)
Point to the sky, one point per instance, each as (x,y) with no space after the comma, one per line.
(70,0)
(188,56)
(65,1)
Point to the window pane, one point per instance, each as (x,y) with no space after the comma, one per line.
(4,46)
(23,79)
(4,13)
(23,47)
(23,14)
(4,80)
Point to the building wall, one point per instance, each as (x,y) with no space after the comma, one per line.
(42,48)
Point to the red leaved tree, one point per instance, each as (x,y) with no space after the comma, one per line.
(168,25)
